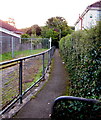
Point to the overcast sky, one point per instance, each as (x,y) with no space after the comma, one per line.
(29,12)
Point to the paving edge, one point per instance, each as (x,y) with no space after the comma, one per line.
(17,107)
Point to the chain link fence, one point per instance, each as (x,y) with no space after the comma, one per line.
(12,44)
(18,76)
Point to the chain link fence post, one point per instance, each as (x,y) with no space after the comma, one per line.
(12,47)
(20,81)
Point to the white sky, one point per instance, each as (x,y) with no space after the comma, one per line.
(29,12)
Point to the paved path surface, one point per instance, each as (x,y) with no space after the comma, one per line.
(40,107)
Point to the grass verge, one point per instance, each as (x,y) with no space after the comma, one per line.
(17,54)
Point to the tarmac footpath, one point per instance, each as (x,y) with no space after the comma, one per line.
(40,106)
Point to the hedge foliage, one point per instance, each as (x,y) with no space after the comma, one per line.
(81,52)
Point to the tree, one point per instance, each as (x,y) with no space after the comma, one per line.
(34,30)
(25,36)
(49,32)
(56,27)
(37,30)
(58,24)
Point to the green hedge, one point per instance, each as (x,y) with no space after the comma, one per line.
(81,52)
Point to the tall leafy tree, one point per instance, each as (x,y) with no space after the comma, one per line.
(49,32)
(34,30)
(59,24)
(56,27)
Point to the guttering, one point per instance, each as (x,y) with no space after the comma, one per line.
(9,32)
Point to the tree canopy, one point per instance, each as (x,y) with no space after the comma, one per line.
(56,27)
(56,22)
(35,30)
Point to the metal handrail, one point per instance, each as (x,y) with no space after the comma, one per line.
(72,98)
(24,58)
(20,61)
(64,107)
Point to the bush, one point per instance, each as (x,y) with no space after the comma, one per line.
(81,52)
(24,38)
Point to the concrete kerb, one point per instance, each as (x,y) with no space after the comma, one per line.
(18,106)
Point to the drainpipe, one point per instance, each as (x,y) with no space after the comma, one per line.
(80,17)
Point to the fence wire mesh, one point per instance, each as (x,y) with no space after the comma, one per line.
(18,76)
(10,83)
(10,46)
(32,71)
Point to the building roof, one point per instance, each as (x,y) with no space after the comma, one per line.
(94,5)
(9,27)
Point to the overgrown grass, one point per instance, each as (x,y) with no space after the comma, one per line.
(17,54)
(36,77)
(10,92)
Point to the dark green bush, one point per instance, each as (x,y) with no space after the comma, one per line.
(81,52)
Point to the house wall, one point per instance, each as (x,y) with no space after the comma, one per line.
(78,26)
(90,19)
(7,41)
(9,32)
(10,43)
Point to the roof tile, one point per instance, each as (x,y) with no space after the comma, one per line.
(9,27)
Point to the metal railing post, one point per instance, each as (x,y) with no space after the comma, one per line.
(43,62)
(48,57)
(50,54)
(19,62)
(20,81)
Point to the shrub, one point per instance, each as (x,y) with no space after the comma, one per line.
(81,52)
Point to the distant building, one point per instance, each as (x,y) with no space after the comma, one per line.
(89,17)
(9,33)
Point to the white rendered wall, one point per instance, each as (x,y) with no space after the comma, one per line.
(89,19)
